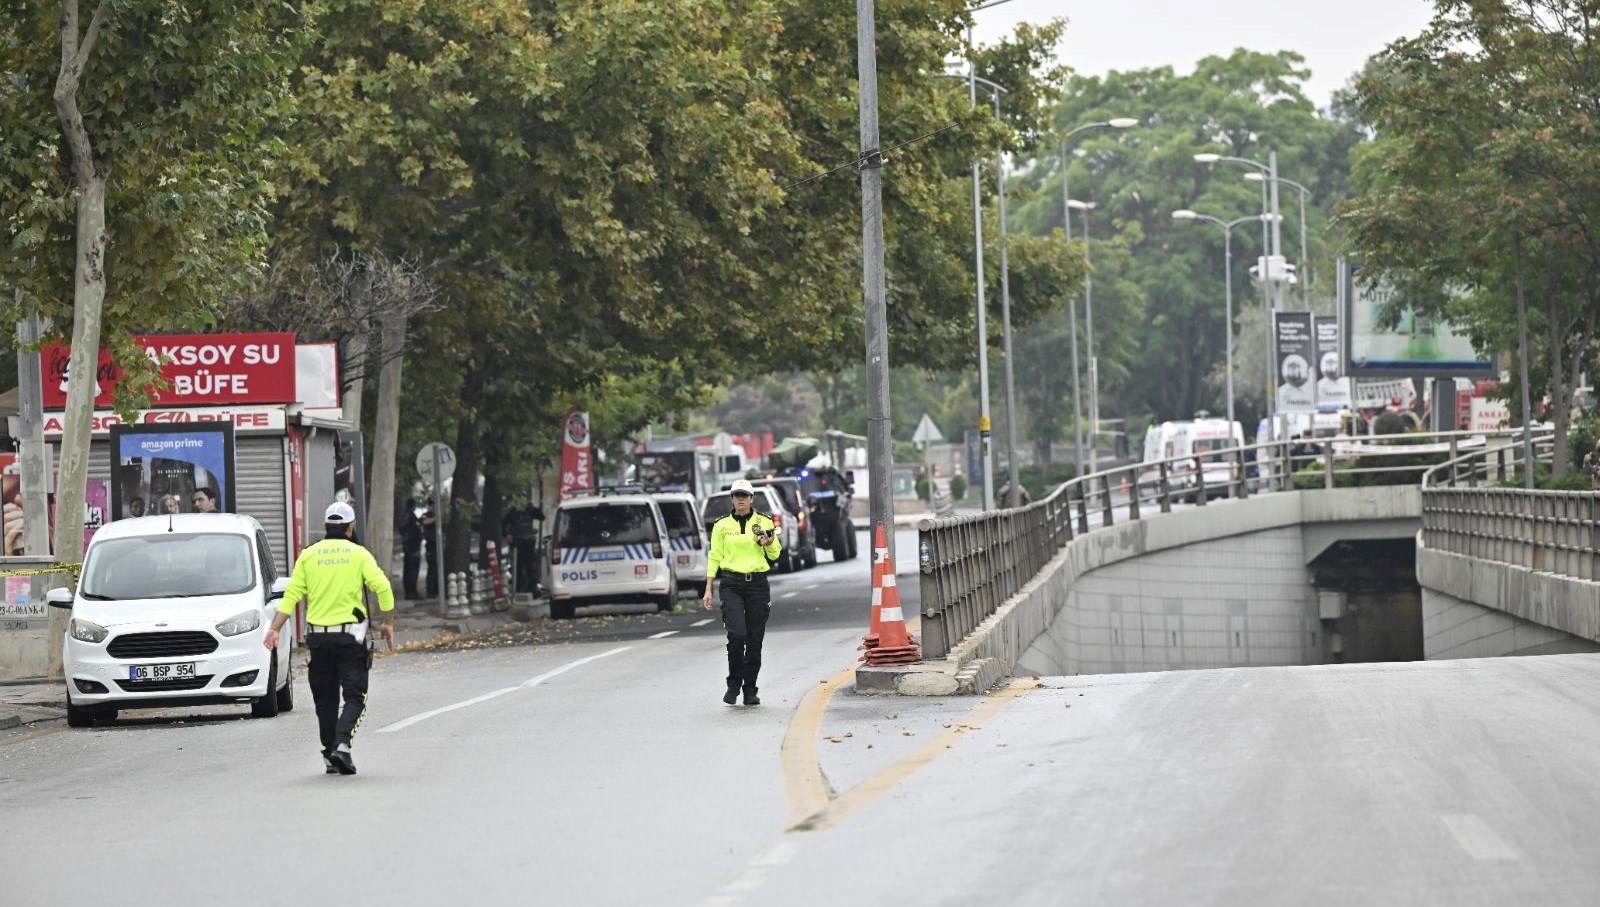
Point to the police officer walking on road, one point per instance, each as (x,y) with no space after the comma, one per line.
(743,548)
(331,575)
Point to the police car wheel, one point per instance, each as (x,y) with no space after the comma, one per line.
(563,610)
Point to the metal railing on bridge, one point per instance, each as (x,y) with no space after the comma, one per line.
(972,564)
(1473,505)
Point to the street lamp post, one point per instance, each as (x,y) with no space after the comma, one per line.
(1227,273)
(1088,324)
(1072,314)
(880,456)
(1305,266)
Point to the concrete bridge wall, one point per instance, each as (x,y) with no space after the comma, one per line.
(1476,609)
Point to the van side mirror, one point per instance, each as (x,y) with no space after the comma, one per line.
(59,598)
(279,587)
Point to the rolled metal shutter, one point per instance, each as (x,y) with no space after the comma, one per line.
(260,465)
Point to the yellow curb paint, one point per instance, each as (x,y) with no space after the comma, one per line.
(804,788)
(859,797)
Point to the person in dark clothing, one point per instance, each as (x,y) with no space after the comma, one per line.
(521,526)
(411,548)
(430,538)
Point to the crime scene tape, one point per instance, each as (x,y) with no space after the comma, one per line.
(73,569)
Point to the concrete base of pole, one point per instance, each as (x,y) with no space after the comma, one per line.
(945,677)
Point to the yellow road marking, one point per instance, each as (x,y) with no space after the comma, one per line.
(859,797)
(804,788)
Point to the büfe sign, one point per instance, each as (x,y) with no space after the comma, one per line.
(200,370)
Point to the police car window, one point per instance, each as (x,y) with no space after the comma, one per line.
(679,516)
(606,524)
(717,507)
(169,565)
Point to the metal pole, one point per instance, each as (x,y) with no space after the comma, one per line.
(1522,365)
(438,531)
(1014,496)
(983,332)
(1072,317)
(1227,282)
(1305,264)
(1094,367)
(1277,227)
(880,458)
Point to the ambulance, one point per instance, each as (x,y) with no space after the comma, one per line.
(1206,438)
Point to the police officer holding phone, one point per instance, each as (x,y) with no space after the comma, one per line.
(744,546)
(330,576)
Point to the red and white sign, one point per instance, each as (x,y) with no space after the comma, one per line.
(577,476)
(200,370)
(1489,414)
(244,419)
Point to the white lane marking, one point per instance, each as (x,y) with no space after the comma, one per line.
(754,875)
(434,713)
(664,634)
(776,855)
(701,623)
(813,586)
(1477,838)
(789,595)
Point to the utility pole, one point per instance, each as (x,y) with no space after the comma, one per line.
(880,456)
(1014,492)
(1072,318)
(984,425)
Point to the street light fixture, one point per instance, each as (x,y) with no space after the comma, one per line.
(1305,285)
(1227,273)
(1072,315)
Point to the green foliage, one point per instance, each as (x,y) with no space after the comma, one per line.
(1042,482)
(186,106)
(924,489)
(958,486)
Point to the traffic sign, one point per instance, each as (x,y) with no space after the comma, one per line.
(425,460)
(927,432)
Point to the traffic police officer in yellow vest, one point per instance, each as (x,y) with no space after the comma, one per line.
(331,575)
(744,546)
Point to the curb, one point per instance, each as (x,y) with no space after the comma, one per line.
(7,722)
(938,678)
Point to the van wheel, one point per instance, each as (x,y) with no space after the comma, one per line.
(286,695)
(563,610)
(267,706)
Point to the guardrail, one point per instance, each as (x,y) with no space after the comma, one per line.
(1467,510)
(971,564)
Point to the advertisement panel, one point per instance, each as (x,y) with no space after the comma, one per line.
(1333,388)
(577,474)
(200,370)
(243,418)
(1293,349)
(158,469)
(1418,345)
(1489,414)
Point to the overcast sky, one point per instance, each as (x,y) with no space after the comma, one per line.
(1103,35)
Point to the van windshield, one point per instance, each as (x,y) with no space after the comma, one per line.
(168,565)
(605,524)
(720,505)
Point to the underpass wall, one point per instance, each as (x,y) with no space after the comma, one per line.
(1478,609)
(1271,570)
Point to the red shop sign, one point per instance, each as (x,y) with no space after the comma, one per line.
(200,370)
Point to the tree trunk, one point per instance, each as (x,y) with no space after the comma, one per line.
(1560,395)
(463,494)
(386,438)
(493,509)
(88,303)
(355,358)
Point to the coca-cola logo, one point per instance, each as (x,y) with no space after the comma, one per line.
(58,363)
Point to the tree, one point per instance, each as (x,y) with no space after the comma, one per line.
(1486,129)
(168,118)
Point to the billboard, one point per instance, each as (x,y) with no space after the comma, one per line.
(172,468)
(577,475)
(1418,345)
(200,370)
(1333,388)
(1294,348)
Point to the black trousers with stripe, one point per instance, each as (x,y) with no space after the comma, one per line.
(746,604)
(339,669)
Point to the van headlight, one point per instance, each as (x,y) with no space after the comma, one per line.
(84,631)
(243,622)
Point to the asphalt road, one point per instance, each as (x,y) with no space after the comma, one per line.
(595,764)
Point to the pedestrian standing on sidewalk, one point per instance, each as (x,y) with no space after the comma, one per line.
(744,547)
(430,538)
(411,549)
(330,575)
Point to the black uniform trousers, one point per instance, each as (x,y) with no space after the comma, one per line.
(411,571)
(339,668)
(746,603)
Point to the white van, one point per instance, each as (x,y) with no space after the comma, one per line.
(1205,438)
(686,536)
(610,549)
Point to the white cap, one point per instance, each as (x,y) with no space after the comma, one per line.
(742,486)
(339,513)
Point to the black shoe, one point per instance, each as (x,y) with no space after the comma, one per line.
(341,761)
(732,696)
(327,764)
(750,697)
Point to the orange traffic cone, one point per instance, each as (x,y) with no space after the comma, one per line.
(880,557)
(889,643)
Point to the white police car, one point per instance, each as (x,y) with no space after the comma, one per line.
(610,549)
(686,537)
